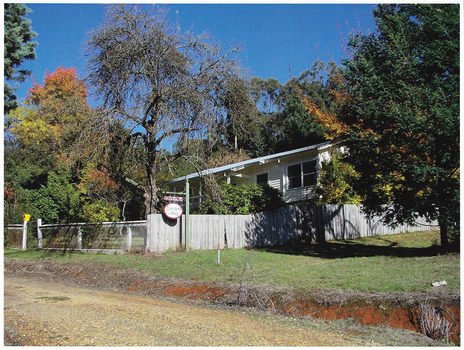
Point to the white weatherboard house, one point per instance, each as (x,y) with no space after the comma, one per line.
(294,173)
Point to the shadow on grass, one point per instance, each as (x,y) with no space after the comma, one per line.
(350,249)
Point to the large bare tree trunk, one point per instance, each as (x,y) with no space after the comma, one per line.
(163,84)
(151,195)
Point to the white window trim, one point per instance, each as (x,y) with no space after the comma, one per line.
(287,181)
(263,173)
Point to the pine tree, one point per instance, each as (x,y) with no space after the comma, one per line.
(18,47)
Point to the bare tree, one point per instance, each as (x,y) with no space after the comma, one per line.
(163,85)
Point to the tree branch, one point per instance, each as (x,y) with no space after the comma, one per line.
(173,132)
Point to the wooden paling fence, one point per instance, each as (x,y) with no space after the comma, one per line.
(286,224)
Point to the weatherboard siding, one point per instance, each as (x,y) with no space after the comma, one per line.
(274,165)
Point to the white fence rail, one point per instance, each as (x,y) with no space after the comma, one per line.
(159,234)
(13,236)
(103,236)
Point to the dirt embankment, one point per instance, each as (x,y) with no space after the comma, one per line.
(40,311)
(399,310)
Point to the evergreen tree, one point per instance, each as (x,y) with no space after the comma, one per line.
(403,113)
(17,47)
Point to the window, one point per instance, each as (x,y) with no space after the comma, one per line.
(294,176)
(309,173)
(302,175)
(262,179)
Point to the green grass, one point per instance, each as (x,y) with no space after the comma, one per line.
(405,262)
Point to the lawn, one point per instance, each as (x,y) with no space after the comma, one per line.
(395,263)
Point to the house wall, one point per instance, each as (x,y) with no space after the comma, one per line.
(276,179)
(277,175)
(302,193)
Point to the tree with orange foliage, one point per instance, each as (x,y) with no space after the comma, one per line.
(62,84)
(336,129)
(53,114)
(326,114)
(46,133)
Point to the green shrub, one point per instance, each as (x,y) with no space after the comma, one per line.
(243,199)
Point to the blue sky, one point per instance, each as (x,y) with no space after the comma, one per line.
(278,40)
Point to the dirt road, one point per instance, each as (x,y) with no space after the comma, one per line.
(42,312)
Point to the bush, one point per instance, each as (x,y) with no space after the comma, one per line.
(244,199)
(100,211)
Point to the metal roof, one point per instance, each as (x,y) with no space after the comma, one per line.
(241,165)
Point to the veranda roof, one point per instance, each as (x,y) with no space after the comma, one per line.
(246,163)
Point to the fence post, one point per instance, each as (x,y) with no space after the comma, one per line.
(24,243)
(79,238)
(39,234)
(129,238)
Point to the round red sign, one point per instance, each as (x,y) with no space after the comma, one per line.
(173,210)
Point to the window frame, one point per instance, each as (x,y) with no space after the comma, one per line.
(261,174)
(302,175)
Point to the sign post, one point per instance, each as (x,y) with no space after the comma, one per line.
(171,210)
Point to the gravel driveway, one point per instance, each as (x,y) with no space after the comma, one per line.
(40,311)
